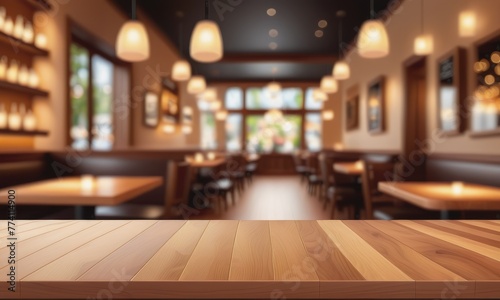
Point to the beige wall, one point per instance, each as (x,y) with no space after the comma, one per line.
(441,19)
(103,19)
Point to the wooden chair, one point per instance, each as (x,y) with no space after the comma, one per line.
(343,191)
(382,207)
(300,167)
(314,180)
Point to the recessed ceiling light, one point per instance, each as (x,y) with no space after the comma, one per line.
(273,33)
(319,33)
(273,45)
(322,24)
(271,12)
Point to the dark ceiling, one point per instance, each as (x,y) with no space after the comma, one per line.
(245,26)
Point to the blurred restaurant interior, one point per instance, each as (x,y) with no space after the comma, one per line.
(250,110)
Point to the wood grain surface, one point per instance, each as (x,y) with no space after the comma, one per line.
(439,196)
(348,168)
(255,260)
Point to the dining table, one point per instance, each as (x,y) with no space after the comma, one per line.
(231,259)
(84,196)
(349,168)
(446,197)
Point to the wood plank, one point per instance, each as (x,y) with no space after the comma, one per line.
(73,263)
(488,290)
(476,229)
(19,223)
(485,249)
(483,224)
(331,264)
(252,254)
(29,246)
(466,263)
(466,232)
(25,231)
(169,262)
(211,259)
(132,256)
(294,269)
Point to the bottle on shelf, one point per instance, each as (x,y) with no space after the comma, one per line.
(3,67)
(19,27)
(13,71)
(34,80)
(8,26)
(24,76)
(29,121)
(28,34)
(3,116)
(41,41)
(14,120)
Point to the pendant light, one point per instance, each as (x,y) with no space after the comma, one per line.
(423,44)
(132,43)
(206,40)
(181,70)
(341,70)
(329,85)
(319,95)
(467,24)
(373,41)
(196,85)
(274,87)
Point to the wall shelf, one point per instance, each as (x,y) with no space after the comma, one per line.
(22,89)
(23,132)
(17,44)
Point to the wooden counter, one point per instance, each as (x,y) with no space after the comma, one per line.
(254,259)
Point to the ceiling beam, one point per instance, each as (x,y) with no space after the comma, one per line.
(284,57)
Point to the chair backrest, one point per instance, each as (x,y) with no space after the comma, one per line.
(326,168)
(373,173)
(340,179)
(178,185)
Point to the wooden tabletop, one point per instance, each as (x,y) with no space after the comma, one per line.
(108,190)
(207,163)
(439,195)
(350,168)
(254,259)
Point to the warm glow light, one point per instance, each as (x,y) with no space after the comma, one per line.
(271,12)
(196,85)
(132,43)
(211,156)
(215,105)
(319,95)
(467,24)
(210,95)
(341,70)
(206,42)
(8,26)
(338,146)
(489,79)
(33,80)
(322,24)
(29,121)
(329,85)
(358,165)
(318,33)
(221,115)
(181,70)
(12,72)
(495,57)
(19,27)
(187,129)
(14,119)
(168,128)
(328,115)
(3,116)
(373,41)
(187,111)
(41,41)
(28,34)
(198,157)
(274,87)
(423,44)
(457,187)
(23,76)
(87,183)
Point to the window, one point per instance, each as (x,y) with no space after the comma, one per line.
(91,100)
(280,123)
(208,130)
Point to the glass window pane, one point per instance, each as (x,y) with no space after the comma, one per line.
(79,83)
(234,130)
(281,136)
(102,118)
(310,102)
(262,98)
(293,98)
(234,98)
(313,130)
(254,98)
(208,131)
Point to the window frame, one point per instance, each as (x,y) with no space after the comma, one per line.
(245,112)
(95,46)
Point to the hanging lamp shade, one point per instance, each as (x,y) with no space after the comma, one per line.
(196,85)
(274,87)
(206,42)
(373,41)
(341,70)
(132,43)
(209,95)
(423,45)
(328,115)
(319,95)
(329,85)
(467,24)
(181,70)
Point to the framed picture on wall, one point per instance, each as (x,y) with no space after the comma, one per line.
(451,91)
(376,106)
(170,106)
(151,109)
(352,108)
